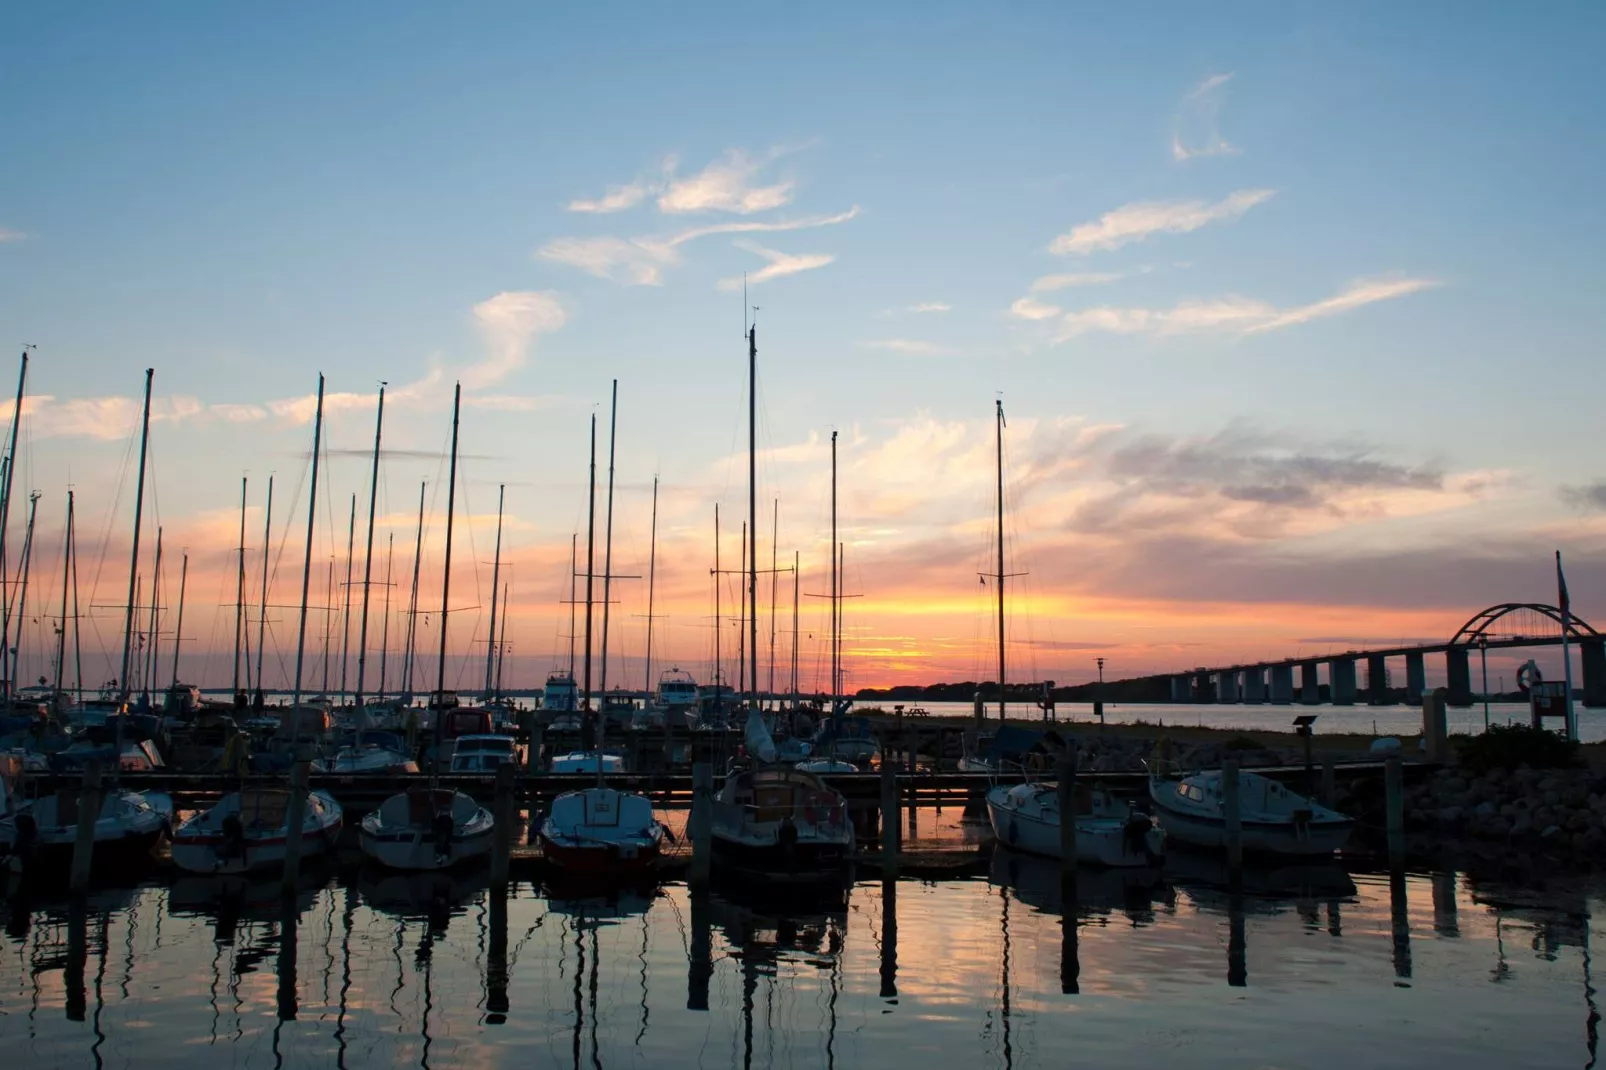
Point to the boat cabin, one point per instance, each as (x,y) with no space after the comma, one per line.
(482,753)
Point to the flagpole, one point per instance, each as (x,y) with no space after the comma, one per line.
(1566,653)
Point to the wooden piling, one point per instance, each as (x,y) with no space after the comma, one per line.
(1329,778)
(295,817)
(1067,804)
(889,815)
(83,853)
(702,821)
(502,831)
(535,761)
(1394,790)
(1233,814)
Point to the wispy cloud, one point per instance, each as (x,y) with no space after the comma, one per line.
(1138,221)
(1029,308)
(1068,280)
(1230,313)
(9,235)
(641,261)
(617,199)
(1197,130)
(1590,497)
(930,306)
(780,264)
(510,322)
(913,346)
(728,184)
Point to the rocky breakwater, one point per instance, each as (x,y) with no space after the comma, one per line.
(1560,813)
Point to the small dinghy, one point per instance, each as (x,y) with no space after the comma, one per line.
(246,831)
(427,828)
(1109,832)
(1274,819)
(602,831)
(40,835)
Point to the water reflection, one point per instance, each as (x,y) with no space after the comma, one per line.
(1029,967)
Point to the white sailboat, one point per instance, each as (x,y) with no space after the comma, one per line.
(1109,832)
(246,831)
(1273,819)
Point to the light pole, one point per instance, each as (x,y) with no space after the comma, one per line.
(1098,704)
(1483,656)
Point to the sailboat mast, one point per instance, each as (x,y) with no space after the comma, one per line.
(368,563)
(496,582)
(741,622)
(133,557)
(178,628)
(501,646)
(446,568)
(7,686)
(574,574)
(328,621)
(384,628)
(752,515)
(345,612)
(842,570)
(607,546)
(22,597)
(717,621)
(797,560)
(77,636)
(1000,577)
(262,619)
(66,584)
(652,575)
(775,542)
(148,679)
(306,571)
(239,589)
(836,579)
(410,647)
(591,552)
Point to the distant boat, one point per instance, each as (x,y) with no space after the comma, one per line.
(483,753)
(371,751)
(425,829)
(1109,832)
(247,830)
(1274,820)
(560,694)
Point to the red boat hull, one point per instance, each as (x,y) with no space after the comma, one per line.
(600,859)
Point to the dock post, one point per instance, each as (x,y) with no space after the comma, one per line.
(890,815)
(496,1002)
(1329,779)
(1233,814)
(295,817)
(502,830)
(1067,804)
(83,852)
(702,821)
(1394,787)
(535,763)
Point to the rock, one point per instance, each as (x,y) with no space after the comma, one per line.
(1486,809)
(1455,783)
(1552,797)
(1449,815)
(1578,821)
(1521,826)
(1549,784)
(1551,832)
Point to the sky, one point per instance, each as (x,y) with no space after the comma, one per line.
(1293,314)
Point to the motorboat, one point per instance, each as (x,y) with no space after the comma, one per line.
(247,829)
(1273,819)
(826,765)
(602,831)
(618,710)
(482,753)
(1109,832)
(370,751)
(674,703)
(426,828)
(780,821)
(560,694)
(40,835)
(849,738)
(1005,751)
(587,761)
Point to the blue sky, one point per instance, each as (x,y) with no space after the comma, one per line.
(1324,293)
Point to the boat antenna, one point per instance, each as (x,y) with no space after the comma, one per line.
(368,560)
(306,571)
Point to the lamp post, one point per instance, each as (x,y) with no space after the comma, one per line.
(1098,703)
(1483,657)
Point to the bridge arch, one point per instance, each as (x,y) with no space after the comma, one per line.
(1482,623)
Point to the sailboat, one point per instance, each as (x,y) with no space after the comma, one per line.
(247,830)
(431,827)
(601,830)
(773,819)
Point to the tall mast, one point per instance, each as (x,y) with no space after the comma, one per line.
(741,623)
(178,628)
(262,618)
(652,575)
(607,548)
(306,571)
(717,622)
(842,570)
(239,590)
(797,561)
(368,564)
(775,576)
(410,646)
(501,646)
(148,679)
(591,548)
(133,557)
(384,630)
(574,572)
(22,597)
(1000,577)
(328,620)
(836,579)
(446,569)
(77,637)
(752,515)
(66,583)
(496,581)
(7,686)
(345,613)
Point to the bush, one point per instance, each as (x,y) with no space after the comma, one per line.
(1509,746)
(1241,743)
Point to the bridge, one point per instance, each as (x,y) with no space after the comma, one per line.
(1504,626)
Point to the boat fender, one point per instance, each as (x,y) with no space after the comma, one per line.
(1135,835)
(442,829)
(233,836)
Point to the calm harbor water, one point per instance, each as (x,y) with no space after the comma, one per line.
(1309,967)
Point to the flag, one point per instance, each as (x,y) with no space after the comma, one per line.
(1561,590)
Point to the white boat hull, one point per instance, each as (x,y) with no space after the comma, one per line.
(201,846)
(1100,841)
(403,834)
(1274,820)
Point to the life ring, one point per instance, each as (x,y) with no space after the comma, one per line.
(1528,676)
